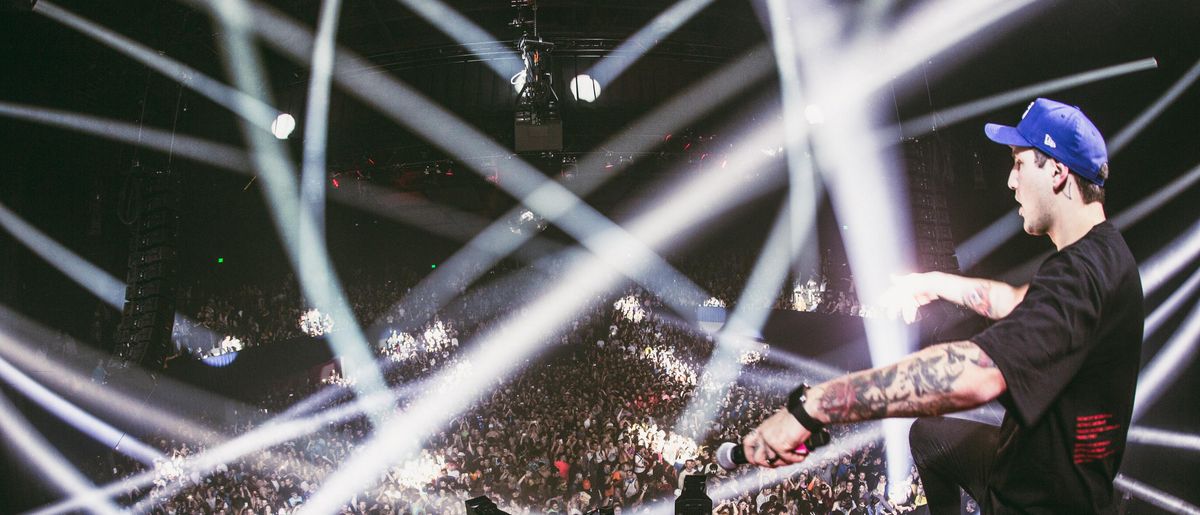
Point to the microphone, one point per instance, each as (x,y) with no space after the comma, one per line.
(731,455)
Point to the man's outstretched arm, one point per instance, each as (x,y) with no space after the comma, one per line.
(939,379)
(992,299)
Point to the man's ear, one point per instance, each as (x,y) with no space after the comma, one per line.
(1058,177)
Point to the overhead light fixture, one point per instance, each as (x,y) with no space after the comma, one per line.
(283,126)
(584,88)
(518,81)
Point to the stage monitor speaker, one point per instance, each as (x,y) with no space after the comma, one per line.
(542,137)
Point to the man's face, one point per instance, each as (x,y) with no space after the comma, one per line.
(1033,189)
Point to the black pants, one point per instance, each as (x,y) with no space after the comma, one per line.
(952,453)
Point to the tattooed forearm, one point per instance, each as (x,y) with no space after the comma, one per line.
(925,383)
(978,298)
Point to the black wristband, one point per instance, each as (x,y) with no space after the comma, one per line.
(795,406)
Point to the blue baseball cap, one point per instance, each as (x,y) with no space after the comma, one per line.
(1061,131)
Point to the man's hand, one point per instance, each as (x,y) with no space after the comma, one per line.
(774,442)
(911,291)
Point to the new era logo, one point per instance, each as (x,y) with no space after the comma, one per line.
(1049,142)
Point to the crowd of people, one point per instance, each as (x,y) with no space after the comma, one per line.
(606,417)
(245,315)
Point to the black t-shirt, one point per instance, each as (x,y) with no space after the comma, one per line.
(1069,354)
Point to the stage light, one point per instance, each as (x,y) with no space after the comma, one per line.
(220,260)
(518,81)
(283,126)
(584,88)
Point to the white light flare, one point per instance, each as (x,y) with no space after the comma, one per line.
(282,126)
(873,60)
(867,191)
(814,114)
(517,81)
(584,88)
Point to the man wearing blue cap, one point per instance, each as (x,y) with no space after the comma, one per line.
(1062,356)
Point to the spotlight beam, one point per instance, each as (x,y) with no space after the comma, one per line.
(748,479)
(1154,496)
(496,241)
(551,200)
(114,402)
(818,369)
(234,160)
(276,431)
(104,286)
(749,315)
(641,42)
(506,344)
(856,178)
(318,281)
(1154,110)
(872,61)
(1164,264)
(202,151)
(24,438)
(250,109)
(1164,438)
(803,188)
(92,278)
(1171,305)
(316,125)
(461,29)
(97,429)
(920,126)
(1170,361)
(1138,212)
